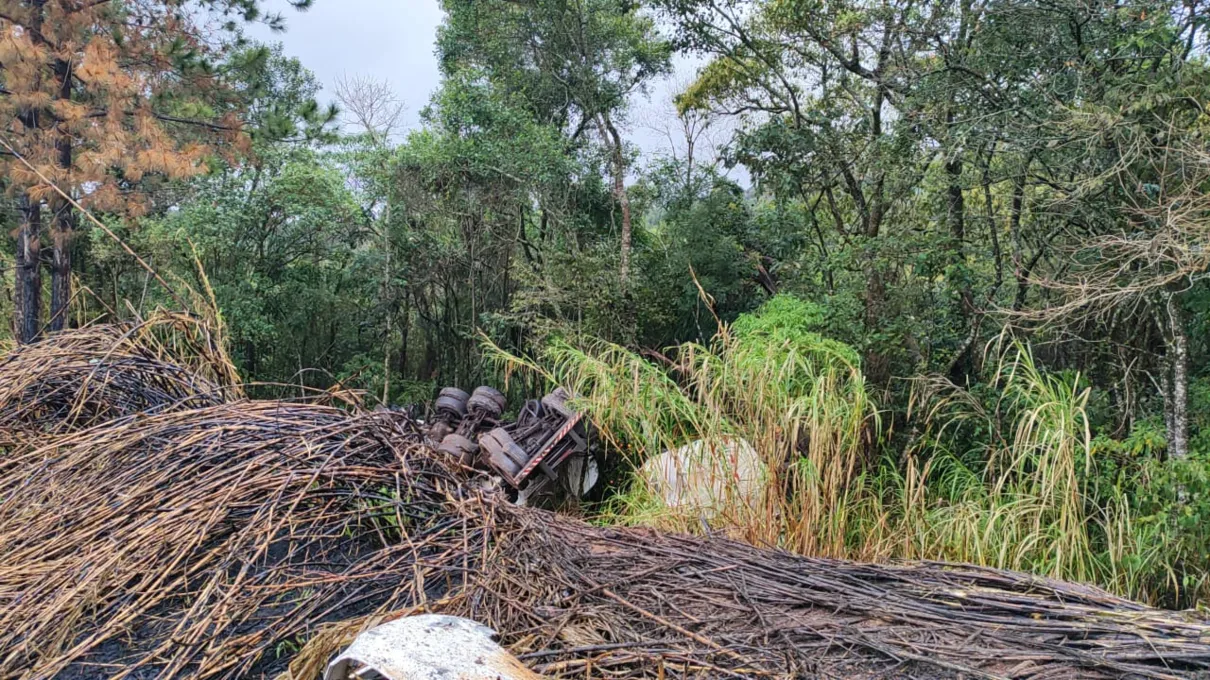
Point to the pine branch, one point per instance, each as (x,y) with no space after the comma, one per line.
(87,6)
(37,35)
(87,214)
(216,127)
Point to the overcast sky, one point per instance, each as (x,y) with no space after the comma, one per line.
(393,41)
(389,40)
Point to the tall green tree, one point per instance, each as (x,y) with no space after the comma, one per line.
(960,159)
(99,98)
(575,64)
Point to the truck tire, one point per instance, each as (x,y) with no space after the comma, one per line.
(488,400)
(460,448)
(451,402)
(480,404)
(557,401)
(493,394)
(438,431)
(503,454)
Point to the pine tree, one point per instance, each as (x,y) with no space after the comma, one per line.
(102,99)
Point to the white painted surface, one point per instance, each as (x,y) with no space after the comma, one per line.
(428,647)
(704,477)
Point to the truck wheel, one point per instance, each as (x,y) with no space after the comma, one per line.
(479,404)
(451,402)
(492,394)
(503,454)
(557,401)
(438,431)
(460,448)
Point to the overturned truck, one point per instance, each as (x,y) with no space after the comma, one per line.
(544,456)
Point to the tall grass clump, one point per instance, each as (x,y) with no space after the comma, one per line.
(1038,492)
(766,388)
(1027,508)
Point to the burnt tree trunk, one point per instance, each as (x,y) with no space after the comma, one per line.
(29,272)
(955,209)
(29,243)
(64,218)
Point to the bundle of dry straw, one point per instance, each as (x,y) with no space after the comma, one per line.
(575,600)
(247,539)
(204,542)
(73,380)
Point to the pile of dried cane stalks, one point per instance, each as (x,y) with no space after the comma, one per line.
(74,380)
(577,600)
(252,539)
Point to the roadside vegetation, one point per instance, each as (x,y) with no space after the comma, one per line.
(1010,477)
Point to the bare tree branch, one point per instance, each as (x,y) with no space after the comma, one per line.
(371,105)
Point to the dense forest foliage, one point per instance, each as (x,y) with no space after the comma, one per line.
(969,249)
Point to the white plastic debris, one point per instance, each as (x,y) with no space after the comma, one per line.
(704,477)
(427,647)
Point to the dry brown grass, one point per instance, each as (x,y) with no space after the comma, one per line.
(196,542)
(575,600)
(73,380)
